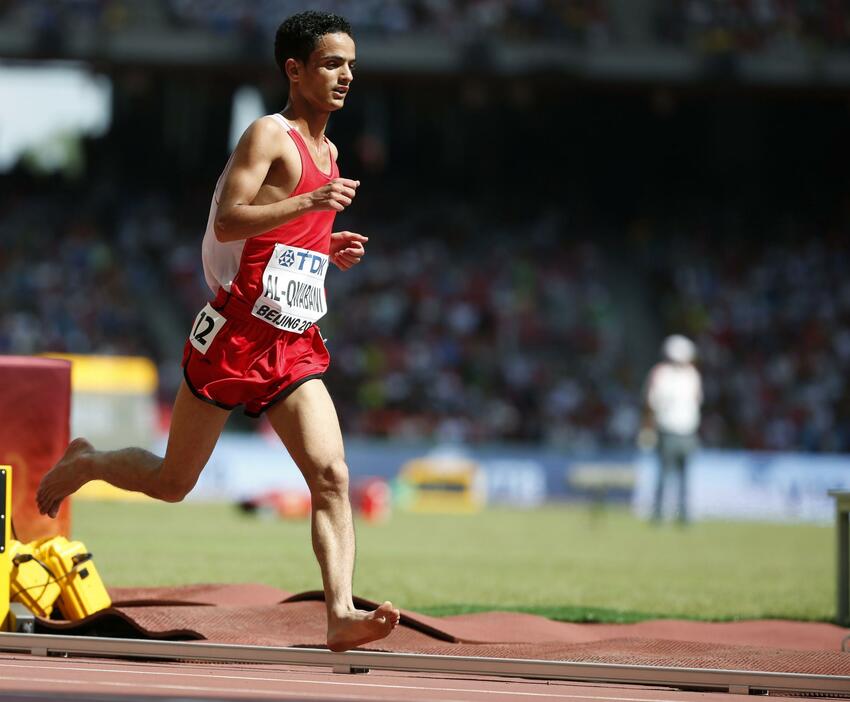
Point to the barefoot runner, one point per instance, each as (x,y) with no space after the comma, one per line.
(265,253)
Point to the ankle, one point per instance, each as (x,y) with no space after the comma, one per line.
(340,611)
(85,465)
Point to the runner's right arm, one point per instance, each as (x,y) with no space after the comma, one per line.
(238,218)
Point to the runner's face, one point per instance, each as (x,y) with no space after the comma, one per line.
(329,72)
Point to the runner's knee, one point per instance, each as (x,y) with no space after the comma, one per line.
(330,478)
(174,492)
(174,488)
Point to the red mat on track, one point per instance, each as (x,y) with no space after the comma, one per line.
(263,615)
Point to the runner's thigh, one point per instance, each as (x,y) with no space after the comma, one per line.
(307,423)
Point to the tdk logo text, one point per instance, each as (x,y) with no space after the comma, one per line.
(305,261)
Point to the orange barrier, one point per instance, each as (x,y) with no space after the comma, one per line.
(35,410)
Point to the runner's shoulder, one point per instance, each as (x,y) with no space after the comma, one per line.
(265,135)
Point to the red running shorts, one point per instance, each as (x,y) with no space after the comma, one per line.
(232,358)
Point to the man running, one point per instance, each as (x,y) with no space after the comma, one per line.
(265,253)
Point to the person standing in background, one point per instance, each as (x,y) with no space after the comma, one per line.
(673,397)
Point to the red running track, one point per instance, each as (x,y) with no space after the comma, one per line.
(34,679)
(261,615)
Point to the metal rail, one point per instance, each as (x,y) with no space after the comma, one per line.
(735,681)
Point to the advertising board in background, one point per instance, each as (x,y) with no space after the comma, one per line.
(788,487)
(722,484)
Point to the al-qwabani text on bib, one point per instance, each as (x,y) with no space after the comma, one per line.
(293,295)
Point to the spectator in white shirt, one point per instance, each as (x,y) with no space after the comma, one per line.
(673,399)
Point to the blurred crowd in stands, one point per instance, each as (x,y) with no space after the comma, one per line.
(518,336)
(771,320)
(515,337)
(713,26)
(456,19)
(511,337)
(65,285)
(501,307)
(749,26)
(572,20)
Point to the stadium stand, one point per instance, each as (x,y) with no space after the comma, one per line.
(748,26)
(474,315)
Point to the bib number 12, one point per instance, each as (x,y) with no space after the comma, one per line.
(207,324)
(200,336)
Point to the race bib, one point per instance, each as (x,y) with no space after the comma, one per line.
(207,324)
(293,296)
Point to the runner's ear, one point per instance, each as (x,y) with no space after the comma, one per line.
(292,67)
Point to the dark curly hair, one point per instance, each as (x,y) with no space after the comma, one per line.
(298,35)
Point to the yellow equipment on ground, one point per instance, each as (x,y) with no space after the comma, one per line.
(32,584)
(82,590)
(44,573)
(5,538)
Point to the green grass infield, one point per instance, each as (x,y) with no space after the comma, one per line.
(565,562)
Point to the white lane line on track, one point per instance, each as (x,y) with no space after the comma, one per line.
(123,671)
(184,688)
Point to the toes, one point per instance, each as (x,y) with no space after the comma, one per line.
(389,614)
(43,499)
(49,505)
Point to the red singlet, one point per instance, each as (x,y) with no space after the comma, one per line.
(258,340)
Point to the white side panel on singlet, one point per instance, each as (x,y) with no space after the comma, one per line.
(221,259)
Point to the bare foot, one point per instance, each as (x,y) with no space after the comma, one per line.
(359,627)
(65,477)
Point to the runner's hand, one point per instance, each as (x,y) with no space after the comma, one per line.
(336,195)
(347,248)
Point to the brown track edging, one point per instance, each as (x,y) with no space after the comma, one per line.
(264,616)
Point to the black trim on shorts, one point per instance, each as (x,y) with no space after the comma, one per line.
(197,394)
(289,389)
(221,307)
